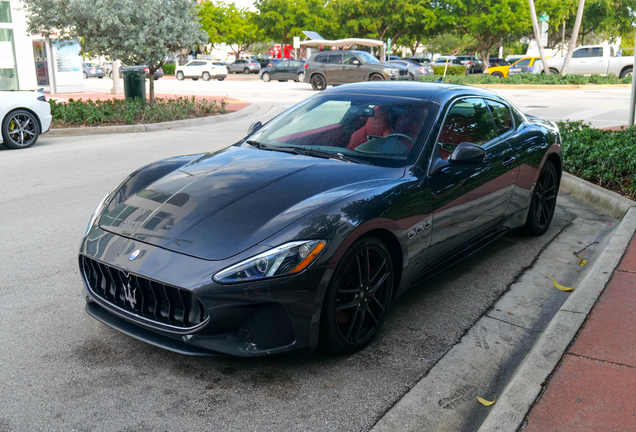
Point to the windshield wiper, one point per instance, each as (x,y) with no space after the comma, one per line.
(308,152)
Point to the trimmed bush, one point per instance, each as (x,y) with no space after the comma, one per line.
(529,78)
(452,70)
(168,69)
(132,111)
(603,157)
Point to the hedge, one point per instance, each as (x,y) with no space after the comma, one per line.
(452,70)
(603,157)
(529,78)
(168,69)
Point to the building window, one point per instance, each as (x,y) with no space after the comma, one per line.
(5,12)
(8,69)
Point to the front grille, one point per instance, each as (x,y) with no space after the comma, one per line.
(141,297)
(404,72)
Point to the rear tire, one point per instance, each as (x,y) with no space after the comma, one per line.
(266,77)
(627,72)
(246,71)
(358,297)
(543,201)
(318,82)
(20,129)
(195,79)
(85,75)
(376,77)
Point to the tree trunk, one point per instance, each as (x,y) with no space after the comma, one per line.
(537,37)
(151,74)
(575,35)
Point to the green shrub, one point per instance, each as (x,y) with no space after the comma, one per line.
(603,157)
(131,111)
(168,69)
(452,70)
(529,78)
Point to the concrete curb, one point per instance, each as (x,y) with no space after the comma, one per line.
(526,384)
(609,202)
(100,130)
(551,87)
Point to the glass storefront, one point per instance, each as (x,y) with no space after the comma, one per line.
(41,64)
(8,69)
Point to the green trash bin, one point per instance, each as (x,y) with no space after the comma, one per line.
(135,84)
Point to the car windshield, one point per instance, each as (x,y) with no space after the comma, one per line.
(366,57)
(380,130)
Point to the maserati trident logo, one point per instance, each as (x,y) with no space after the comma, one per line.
(129,292)
(134,255)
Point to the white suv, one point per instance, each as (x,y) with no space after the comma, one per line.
(205,69)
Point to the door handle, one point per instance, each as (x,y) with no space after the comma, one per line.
(509,161)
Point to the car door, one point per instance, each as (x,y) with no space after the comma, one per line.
(520,67)
(596,64)
(281,71)
(350,69)
(468,199)
(578,62)
(332,69)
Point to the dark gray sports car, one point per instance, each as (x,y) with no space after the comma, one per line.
(307,229)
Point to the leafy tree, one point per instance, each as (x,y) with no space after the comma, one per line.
(489,22)
(225,23)
(133,31)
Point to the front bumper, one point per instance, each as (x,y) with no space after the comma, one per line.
(248,320)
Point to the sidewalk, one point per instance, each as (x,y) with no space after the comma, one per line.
(594,387)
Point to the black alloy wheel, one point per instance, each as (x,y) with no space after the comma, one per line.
(266,77)
(358,297)
(318,82)
(20,129)
(543,201)
(376,77)
(206,76)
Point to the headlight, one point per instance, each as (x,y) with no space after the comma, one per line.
(96,213)
(487,71)
(390,71)
(287,259)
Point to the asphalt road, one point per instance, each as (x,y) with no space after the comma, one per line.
(62,370)
(601,106)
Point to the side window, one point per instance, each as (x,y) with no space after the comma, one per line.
(501,115)
(335,58)
(523,63)
(282,65)
(468,120)
(595,52)
(348,58)
(322,58)
(580,53)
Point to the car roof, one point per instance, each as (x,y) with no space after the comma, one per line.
(431,91)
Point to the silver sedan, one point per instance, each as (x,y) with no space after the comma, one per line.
(416,70)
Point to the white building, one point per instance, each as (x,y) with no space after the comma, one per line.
(30,62)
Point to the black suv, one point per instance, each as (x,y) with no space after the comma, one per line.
(343,67)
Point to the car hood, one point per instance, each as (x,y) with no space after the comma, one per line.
(226,202)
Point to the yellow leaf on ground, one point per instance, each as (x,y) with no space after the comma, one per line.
(559,286)
(582,262)
(485,402)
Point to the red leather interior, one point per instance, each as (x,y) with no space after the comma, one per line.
(378,125)
(410,123)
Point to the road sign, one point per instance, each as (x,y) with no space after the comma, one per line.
(544,17)
(388,45)
(296,42)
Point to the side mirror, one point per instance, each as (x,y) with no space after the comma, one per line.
(467,153)
(254,127)
(356,62)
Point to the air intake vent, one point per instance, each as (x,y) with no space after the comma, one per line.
(143,298)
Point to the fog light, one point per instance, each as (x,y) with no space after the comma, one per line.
(261,265)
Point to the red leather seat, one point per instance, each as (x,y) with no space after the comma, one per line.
(376,126)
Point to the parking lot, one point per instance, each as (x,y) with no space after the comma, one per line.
(63,371)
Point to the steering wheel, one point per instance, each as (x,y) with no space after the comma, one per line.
(401,135)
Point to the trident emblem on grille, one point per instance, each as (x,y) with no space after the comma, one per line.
(129,292)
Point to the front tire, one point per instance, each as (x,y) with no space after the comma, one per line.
(358,297)
(554,71)
(411,77)
(543,202)
(300,77)
(180,76)
(318,82)
(206,76)
(246,71)
(266,77)
(497,74)
(85,75)
(376,77)
(20,129)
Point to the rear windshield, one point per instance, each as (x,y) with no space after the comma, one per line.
(382,130)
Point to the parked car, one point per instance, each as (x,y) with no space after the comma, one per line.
(263,61)
(526,65)
(594,59)
(24,116)
(472,63)
(283,71)
(205,69)
(416,70)
(523,65)
(273,62)
(451,62)
(362,192)
(421,60)
(342,67)
(494,62)
(243,66)
(393,57)
(158,73)
(93,70)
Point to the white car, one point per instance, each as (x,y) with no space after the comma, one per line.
(205,69)
(25,115)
